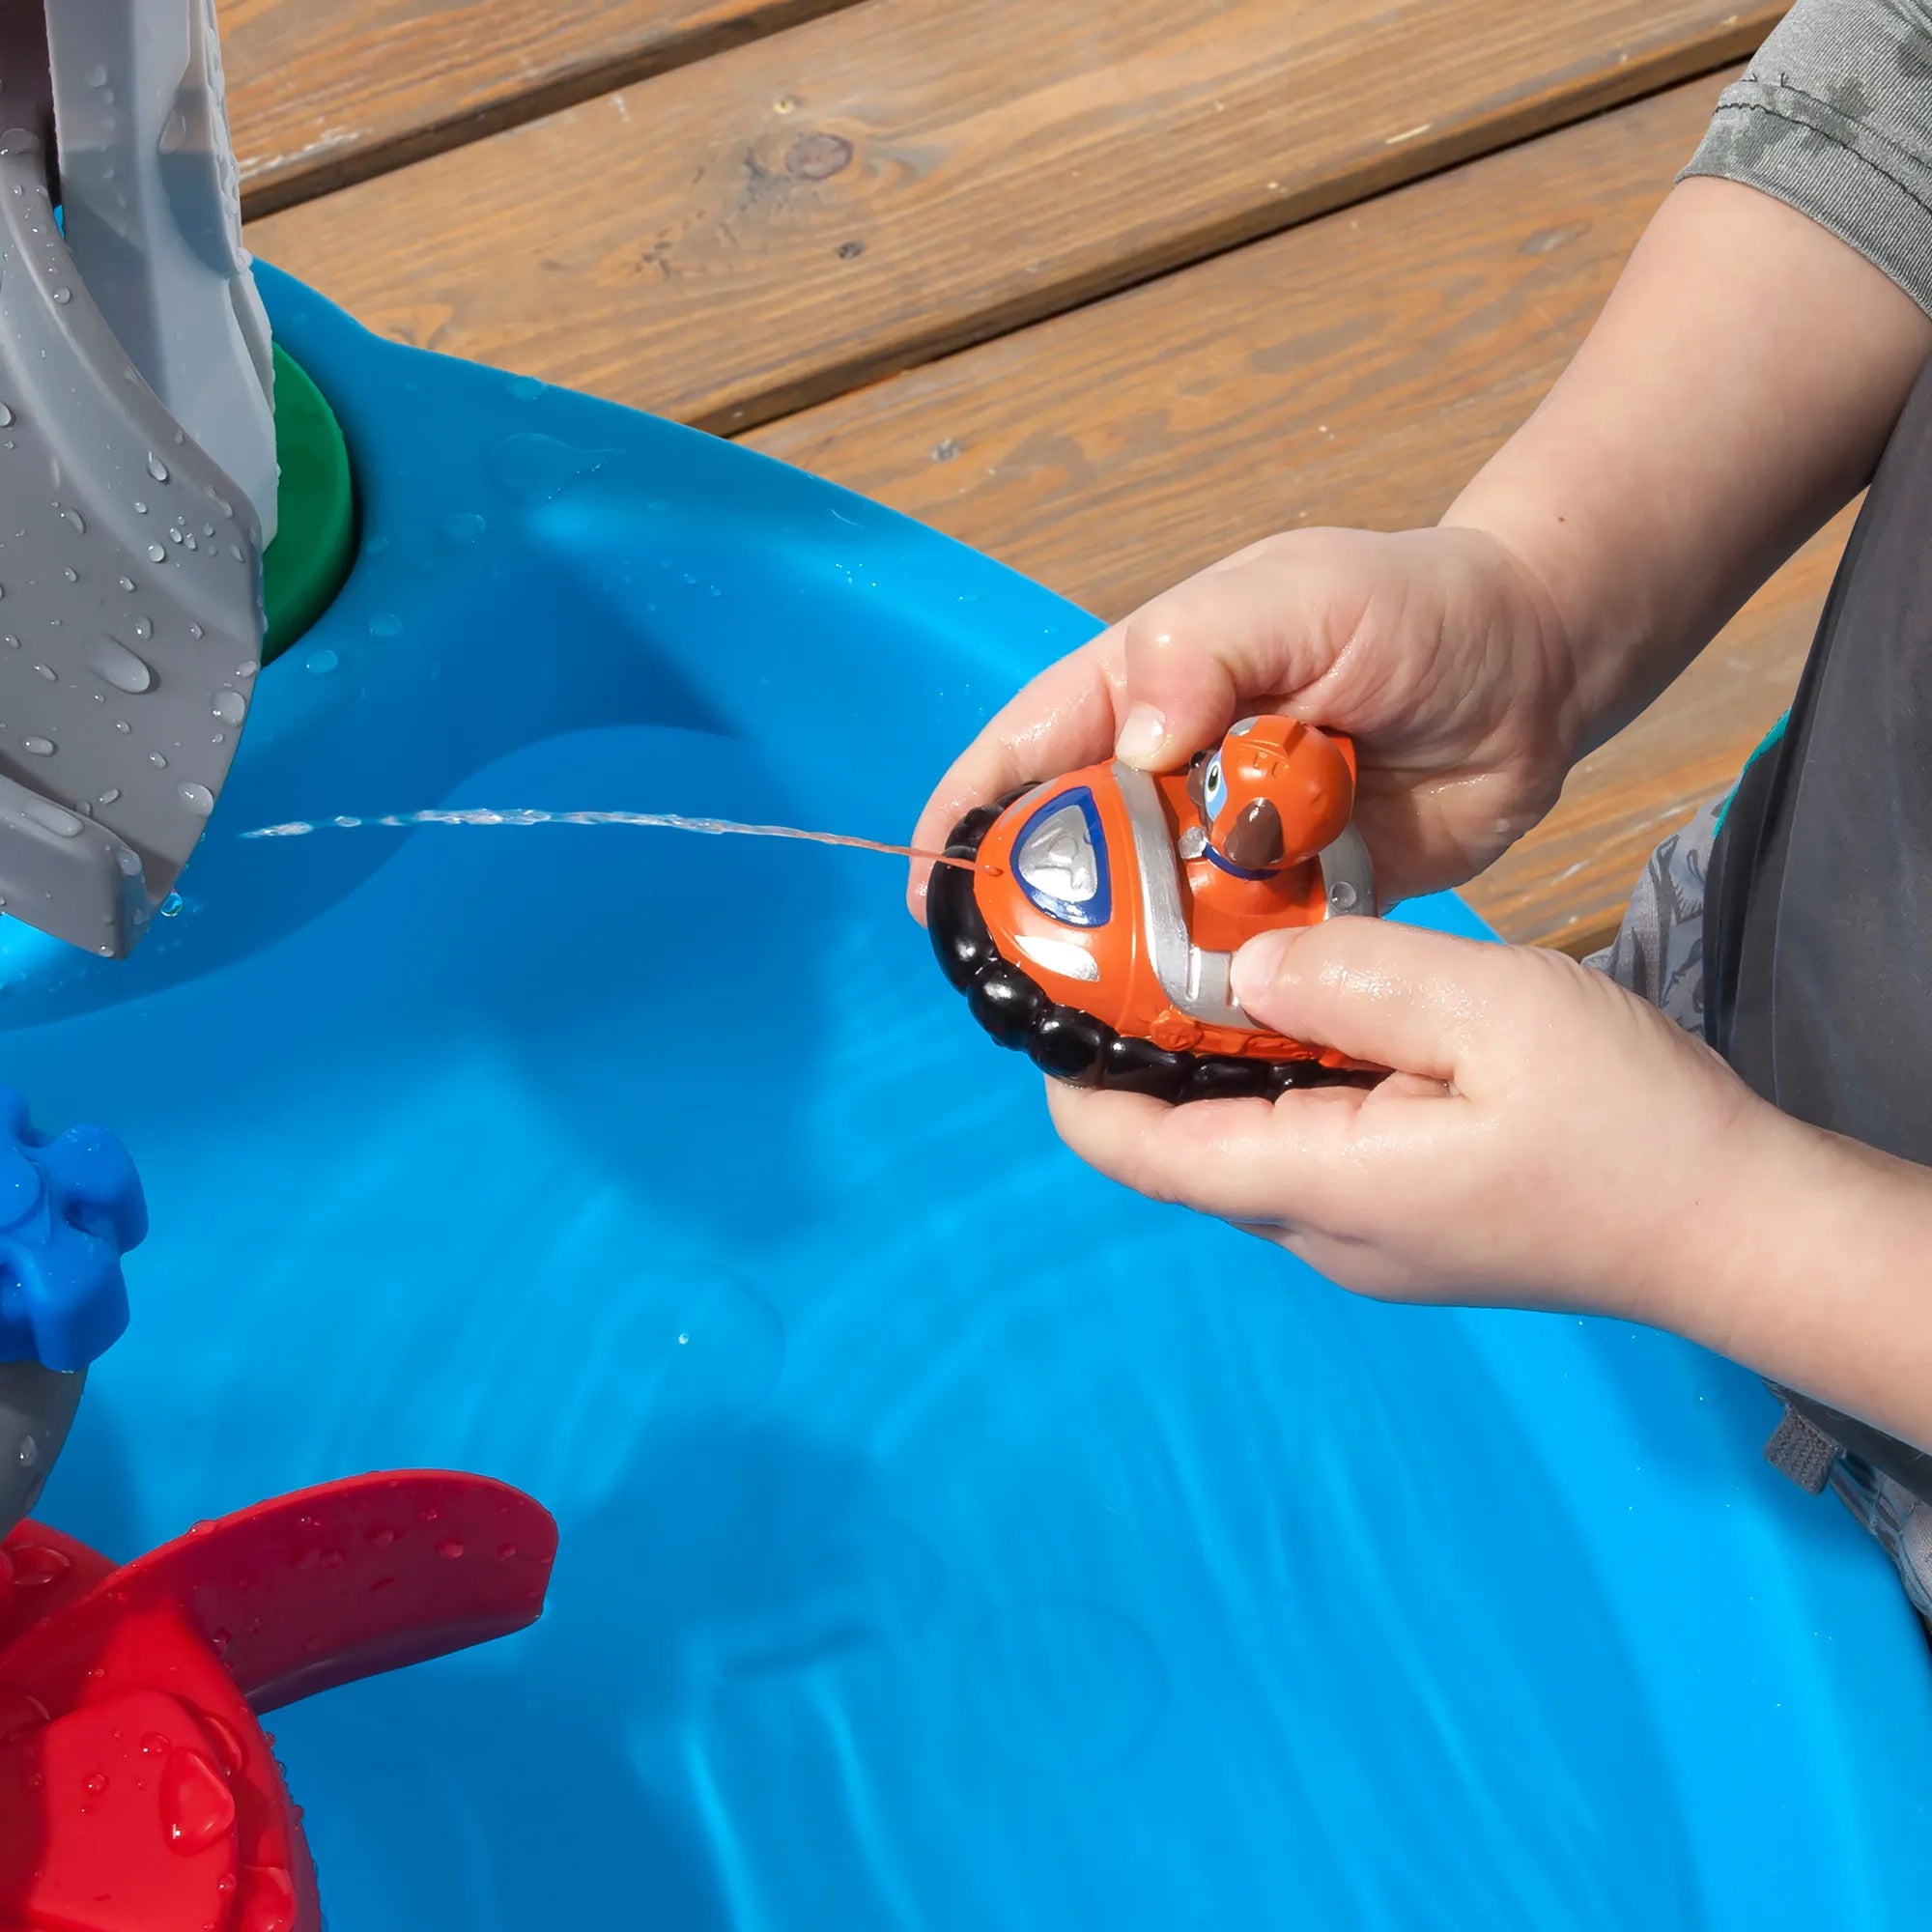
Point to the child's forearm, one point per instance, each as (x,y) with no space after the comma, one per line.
(1737,391)
(1816,1270)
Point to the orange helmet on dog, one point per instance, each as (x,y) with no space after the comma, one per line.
(1274,794)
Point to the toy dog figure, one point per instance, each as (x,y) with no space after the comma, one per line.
(1099,931)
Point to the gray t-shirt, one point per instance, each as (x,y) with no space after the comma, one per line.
(1795,924)
(1834,117)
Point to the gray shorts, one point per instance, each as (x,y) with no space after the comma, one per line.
(1659,955)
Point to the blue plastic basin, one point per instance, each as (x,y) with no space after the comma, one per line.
(949,1539)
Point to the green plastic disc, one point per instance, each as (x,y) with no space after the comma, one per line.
(315,511)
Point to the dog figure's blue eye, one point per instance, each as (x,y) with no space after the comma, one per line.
(1213,789)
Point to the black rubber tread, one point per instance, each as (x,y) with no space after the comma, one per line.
(1063,1041)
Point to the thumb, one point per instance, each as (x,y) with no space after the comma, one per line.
(1197,657)
(1391,995)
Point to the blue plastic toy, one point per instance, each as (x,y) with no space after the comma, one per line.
(71,1207)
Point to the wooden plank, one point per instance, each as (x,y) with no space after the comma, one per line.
(1355,372)
(323,92)
(755,233)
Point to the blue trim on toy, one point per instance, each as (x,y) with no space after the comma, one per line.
(71,1207)
(1091,912)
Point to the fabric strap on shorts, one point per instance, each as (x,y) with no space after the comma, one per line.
(1811,1437)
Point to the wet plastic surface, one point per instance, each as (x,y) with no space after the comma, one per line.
(137,1791)
(948,1539)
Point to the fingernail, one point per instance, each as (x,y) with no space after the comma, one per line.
(1257,963)
(1142,735)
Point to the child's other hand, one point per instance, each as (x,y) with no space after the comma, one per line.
(1549,1140)
(1437,650)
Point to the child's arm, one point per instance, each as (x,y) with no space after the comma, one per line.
(1553,1142)
(1736,391)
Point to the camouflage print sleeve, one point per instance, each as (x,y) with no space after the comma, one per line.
(1659,952)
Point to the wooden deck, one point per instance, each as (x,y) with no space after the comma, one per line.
(1103,287)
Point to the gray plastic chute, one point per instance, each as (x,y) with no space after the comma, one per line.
(130,610)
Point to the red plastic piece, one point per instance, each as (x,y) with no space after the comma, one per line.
(139,1792)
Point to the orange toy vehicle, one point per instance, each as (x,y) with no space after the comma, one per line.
(1099,931)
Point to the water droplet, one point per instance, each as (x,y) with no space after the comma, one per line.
(156,554)
(156,468)
(386,624)
(143,629)
(141,506)
(96,76)
(221,1639)
(247,668)
(126,583)
(464,529)
(6,416)
(108,797)
(322,662)
(74,521)
(121,724)
(30,1452)
(154,1744)
(160,763)
(448,1548)
(194,631)
(230,706)
(505,1551)
(41,747)
(129,862)
(197,1806)
(62,295)
(525,389)
(267,1902)
(539,468)
(381,1536)
(119,666)
(95,1783)
(48,673)
(72,574)
(170,907)
(51,819)
(198,799)
(225,1742)
(38,1563)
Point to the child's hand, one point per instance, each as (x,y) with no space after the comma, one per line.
(1437,650)
(1549,1141)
